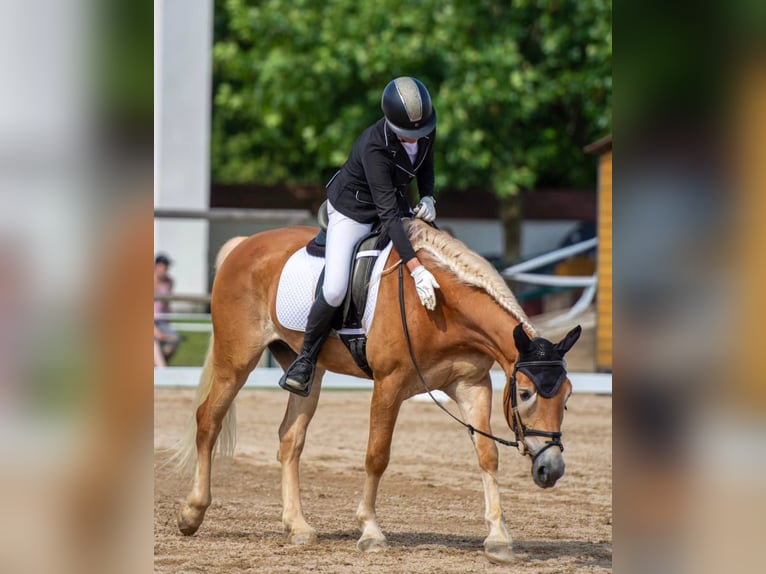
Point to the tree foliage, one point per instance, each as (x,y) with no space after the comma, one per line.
(519,87)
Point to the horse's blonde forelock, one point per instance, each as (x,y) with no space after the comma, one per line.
(469,267)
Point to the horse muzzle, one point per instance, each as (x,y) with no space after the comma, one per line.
(548,467)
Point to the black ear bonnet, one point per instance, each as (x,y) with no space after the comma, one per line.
(544,366)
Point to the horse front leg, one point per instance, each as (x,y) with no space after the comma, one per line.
(384,409)
(475,403)
(292,437)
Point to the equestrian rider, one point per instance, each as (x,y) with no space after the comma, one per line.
(370,188)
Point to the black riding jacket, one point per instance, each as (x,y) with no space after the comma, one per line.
(371,184)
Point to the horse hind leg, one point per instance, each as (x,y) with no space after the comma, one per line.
(474,399)
(224,379)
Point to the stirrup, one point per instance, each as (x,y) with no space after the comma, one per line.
(299,377)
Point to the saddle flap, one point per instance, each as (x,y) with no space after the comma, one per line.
(365,256)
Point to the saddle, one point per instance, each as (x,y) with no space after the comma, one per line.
(348,320)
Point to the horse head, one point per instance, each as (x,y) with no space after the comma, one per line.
(534,401)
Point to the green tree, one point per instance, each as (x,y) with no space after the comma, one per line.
(519,87)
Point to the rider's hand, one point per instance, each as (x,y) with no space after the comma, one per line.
(426,209)
(425,283)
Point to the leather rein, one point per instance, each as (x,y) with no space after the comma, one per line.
(510,406)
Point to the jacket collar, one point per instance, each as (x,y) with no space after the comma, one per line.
(399,153)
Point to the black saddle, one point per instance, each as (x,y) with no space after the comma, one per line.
(348,321)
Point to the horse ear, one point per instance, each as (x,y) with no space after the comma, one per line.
(568,342)
(521,339)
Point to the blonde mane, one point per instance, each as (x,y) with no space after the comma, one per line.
(469,267)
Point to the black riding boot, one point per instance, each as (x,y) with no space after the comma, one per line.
(299,376)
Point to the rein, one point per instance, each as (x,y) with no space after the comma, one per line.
(519,429)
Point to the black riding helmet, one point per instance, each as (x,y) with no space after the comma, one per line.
(407,107)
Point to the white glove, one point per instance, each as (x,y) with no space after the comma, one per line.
(425,284)
(426,209)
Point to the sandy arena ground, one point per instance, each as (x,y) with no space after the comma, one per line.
(430,503)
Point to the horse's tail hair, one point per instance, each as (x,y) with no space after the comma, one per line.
(227,248)
(184,457)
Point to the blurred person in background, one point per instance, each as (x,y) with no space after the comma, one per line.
(165,338)
(370,188)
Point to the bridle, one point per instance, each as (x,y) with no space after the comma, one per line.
(512,415)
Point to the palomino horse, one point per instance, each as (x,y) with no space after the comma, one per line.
(477,321)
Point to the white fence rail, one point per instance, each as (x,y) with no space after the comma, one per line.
(291,216)
(518,273)
(196,317)
(189,322)
(551,257)
(266,378)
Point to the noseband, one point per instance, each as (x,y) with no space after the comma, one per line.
(515,422)
(513,416)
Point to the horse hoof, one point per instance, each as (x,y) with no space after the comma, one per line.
(498,552)
(303,538)
(372,544)
(189,519)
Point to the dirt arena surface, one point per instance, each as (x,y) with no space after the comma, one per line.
(430,503)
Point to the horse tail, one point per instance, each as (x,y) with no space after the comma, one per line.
(184,457)
(227,248)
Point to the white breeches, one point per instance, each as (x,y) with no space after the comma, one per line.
(343,233)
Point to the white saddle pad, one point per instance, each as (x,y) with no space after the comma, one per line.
(297,286)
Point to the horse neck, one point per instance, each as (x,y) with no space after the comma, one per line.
(489,327)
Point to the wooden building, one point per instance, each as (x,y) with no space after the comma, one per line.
(603,148)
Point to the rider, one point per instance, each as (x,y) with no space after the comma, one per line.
(370,187)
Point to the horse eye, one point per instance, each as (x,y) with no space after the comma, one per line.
(525,395)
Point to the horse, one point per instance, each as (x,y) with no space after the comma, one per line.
(477,322)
